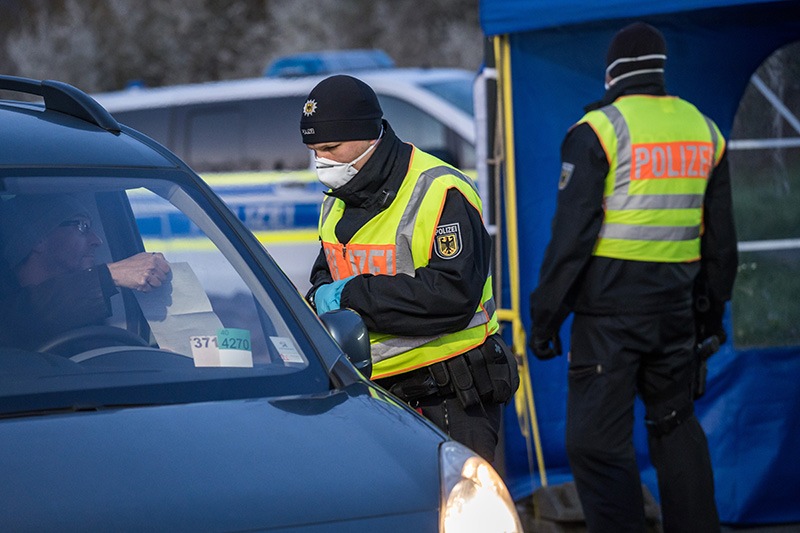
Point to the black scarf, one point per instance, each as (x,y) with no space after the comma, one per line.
(651,83)
(375,186)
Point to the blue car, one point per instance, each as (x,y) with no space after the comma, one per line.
(146,386)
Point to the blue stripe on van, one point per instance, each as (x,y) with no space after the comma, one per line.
(261,203)
(256,217)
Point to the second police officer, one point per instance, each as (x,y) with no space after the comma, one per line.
(643,213)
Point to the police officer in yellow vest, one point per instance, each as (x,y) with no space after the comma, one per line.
(404,245)
(643,215)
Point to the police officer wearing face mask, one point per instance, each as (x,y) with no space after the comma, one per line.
(404,245)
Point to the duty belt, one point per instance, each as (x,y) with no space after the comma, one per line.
(446,378)
(420,383)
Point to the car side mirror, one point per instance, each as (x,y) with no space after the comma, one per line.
(350,332)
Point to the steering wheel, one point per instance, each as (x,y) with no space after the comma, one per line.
(85,338)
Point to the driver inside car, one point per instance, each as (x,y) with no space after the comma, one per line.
(48,245)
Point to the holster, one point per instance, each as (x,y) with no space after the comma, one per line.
(505,371)
(495,369)
(462,381)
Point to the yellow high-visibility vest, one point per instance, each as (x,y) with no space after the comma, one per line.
(661,151)
(398,240)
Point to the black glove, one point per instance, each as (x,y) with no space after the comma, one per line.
(545,348)
(708,320)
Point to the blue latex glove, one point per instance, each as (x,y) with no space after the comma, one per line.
(327,296)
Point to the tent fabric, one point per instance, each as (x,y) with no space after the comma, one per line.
(557,52)
(511,16)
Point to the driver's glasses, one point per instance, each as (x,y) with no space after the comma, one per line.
(84,226)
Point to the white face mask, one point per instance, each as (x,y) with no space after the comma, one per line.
(334,174)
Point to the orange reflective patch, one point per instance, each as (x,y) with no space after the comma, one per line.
(671,160)
(353,259)
(334,255)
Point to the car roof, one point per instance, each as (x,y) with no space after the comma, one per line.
(405,83)
(138,97)
(68,129)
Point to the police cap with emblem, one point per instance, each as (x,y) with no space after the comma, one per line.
(341,108)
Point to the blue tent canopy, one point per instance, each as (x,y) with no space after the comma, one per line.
(513,16)
(751,410)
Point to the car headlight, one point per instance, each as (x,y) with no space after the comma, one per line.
(474,497)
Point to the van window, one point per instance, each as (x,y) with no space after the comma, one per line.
(418,127)
(263,134)
(256,134)
(456,92)
(272,138)
(410,123)
(207,147)
(153,122)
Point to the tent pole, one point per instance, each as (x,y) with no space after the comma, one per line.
(524,397)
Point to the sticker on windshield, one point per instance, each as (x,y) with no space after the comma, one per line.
(234,347)
(204,350)
(287,350)
(230,347)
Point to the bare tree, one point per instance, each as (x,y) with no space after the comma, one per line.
(51,48)
(437,33)
(105,44)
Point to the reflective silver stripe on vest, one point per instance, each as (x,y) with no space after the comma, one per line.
(649,233)
(654,201)
(622,176)
(405,230)
(398,345)
(327,207)
(621,200)
(714,139)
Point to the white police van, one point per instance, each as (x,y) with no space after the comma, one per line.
(243,137)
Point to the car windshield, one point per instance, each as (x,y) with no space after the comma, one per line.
(458,92)
(130,291)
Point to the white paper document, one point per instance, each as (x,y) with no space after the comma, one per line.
(179,310)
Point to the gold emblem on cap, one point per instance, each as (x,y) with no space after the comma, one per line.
(310,107)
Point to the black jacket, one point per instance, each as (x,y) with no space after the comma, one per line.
(37,313)
(571,279)
(442,296)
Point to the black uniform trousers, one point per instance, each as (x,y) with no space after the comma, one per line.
(612,359)
(476,426)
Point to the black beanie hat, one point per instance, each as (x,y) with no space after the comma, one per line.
(341,108)
(636,49)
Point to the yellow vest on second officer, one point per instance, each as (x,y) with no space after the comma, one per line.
(399,240)
(661,151)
